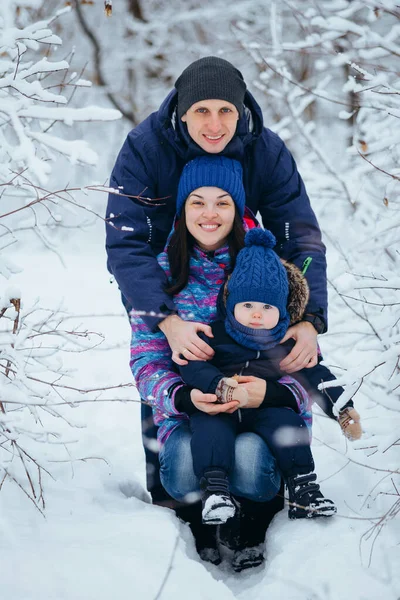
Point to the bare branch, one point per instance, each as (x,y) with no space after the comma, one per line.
(169,569)
(98,66)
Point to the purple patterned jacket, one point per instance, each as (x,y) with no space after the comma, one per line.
(154,371)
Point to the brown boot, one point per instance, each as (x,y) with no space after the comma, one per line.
(349,421)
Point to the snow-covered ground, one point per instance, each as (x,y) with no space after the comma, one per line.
(101,537)
(98,535)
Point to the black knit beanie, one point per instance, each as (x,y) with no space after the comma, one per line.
(210,78)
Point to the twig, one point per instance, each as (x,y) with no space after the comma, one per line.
(314,93)
(97,62)
(303,131)
(378,168)
(358,463)
(377,527)
(158,595)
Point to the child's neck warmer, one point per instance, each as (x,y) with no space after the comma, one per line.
(256,339)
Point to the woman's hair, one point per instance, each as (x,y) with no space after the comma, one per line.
(181,245)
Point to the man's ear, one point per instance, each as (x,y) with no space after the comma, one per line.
(183,118)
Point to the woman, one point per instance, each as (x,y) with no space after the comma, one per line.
(208,233)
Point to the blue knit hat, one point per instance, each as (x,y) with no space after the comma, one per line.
(259,275)
(212,171)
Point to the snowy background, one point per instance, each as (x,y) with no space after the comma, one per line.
(75,519)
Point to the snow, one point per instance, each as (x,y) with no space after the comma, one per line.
(97,538)
(70,115)
(100,536)
(97,535)
(338,24)
(77,150)
(218,508)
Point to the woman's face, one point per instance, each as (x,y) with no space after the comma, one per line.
(210,213)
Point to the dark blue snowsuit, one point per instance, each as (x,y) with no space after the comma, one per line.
(213,438)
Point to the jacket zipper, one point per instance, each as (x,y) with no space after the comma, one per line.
(241,373)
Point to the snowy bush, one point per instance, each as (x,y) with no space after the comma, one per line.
(306,60)
(329,74)
(348,87)
(33,392)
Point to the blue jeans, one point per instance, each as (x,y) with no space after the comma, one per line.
(214,437)
(255,475)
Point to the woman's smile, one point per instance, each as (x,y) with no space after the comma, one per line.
(209,226)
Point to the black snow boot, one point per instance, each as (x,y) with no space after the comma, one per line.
(246,535)
(217,502)
(207,546)
(250,550)
(229,533)
(205,536)
(248,557)
(306,500)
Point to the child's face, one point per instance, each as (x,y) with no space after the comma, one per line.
(256,315)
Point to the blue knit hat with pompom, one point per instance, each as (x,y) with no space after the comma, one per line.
(259,275)
(212,171)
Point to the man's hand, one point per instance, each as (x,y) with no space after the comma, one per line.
(304,354)
(256,389)
(207,403)
(183,339)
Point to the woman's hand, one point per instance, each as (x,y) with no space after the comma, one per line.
(183,339)
(304,353)
(207,403)
(256,389)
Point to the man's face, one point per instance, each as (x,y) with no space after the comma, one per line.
(211,124)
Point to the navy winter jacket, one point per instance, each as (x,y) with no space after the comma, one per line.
(149,165)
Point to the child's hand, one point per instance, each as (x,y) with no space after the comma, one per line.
(208,403)
(228,390)
(349,421)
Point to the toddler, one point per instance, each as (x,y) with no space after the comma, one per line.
(262,298)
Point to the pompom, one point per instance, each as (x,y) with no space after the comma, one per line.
(260,237)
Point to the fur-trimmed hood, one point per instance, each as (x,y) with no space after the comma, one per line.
(298,292)
(297,299)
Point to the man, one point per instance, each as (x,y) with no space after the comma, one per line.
(210,111)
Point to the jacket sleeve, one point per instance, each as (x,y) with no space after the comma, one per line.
(278,395)
(153,369)
(128,234)
(327,398)
(201,375)
(285,210)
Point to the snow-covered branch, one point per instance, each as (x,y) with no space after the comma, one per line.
(36,390)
